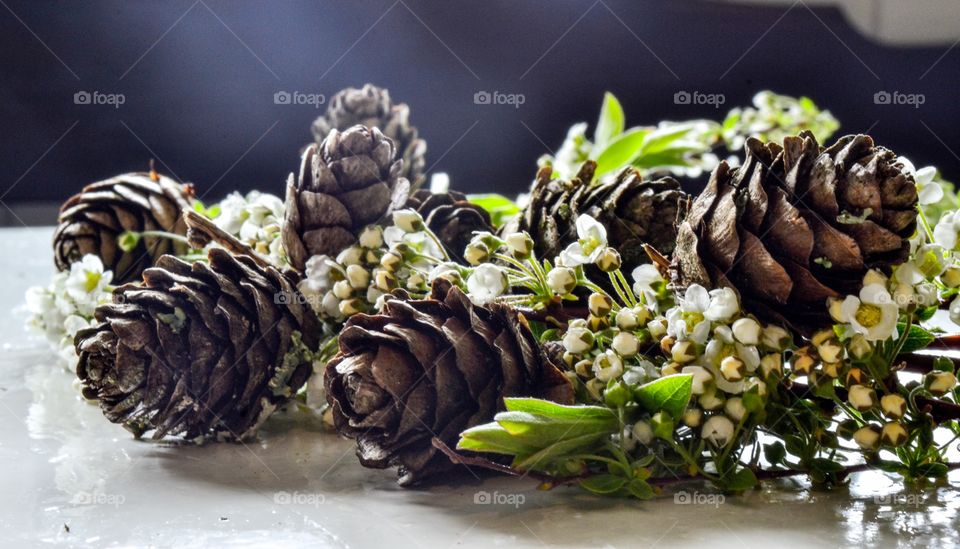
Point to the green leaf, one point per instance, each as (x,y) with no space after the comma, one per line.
(640,489)
(491,437)
(826,466)
(542,431)
(670,394)
(932,470)
(620,151)
(744,479)
(664,138)
(774,453)
(603,484)
(498,206)
(917,339)
(617,394)
(611,121)
(558,449)
(128,240)
(559,411)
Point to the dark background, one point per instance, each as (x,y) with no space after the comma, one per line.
(199,78)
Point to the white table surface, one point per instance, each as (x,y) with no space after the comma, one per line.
(71,478)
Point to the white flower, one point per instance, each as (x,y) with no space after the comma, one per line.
(408,220)
(486,283)
(718,430)
(874,314)
(747,331)
(695,300)
(591,241)
(87,280)
(519,243)
(439,183)
(723,305)
(607,366)
(562,280)
(678,327)
(928,190)
(645,277)
(233,212)
(955,310)
(578,339)
(625,344)
(318,270)
(371,237)
(945,233)
(701,378)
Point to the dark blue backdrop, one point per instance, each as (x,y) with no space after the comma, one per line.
(199,76)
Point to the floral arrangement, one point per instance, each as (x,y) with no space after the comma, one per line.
(605,330)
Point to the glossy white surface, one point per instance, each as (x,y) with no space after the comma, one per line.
(70,478)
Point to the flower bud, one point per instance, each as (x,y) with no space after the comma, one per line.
(350,256)
(657,327)
(385,280)
(390,261)
(776,338)
(940,383)
(643,432)
(803,362)
(662,425)
(831,369)
(893,405)
(350,307)
(835,308)
(670,369)
(520,244)
(625,344)
(701,378)
(859,347)
(371,237)
(408,221)
(627,319)
(692,417)
(747,331)
(416,282)
(607,366)
(771,364)
(951,277)
(868,438)
(735,409)
(862,397)
(855,377)
(711,400)
(718,430)
(893,434)
(599,304)
(584,368)
(358,277)
(476,253)
(609,260)
(732,369)
(343,289)
(562,280)
(723,333)
(830,351)
(578,340)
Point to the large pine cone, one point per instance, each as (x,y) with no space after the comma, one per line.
(634,212)
(91,221)
(452,218)
(197,350)
(349,181)
(432,368)
(798,224)
(371,106)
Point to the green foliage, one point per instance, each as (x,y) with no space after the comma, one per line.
(498,206)
(669,394)
(918,337)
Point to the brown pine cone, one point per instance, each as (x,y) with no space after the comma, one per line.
(634,212)
(371,106)
(199,349)
(348,182)
(797,224)
(452,218)
(91,221)
(432,368)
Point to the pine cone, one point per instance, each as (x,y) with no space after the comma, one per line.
(92,220)
(346,183)
(432,368)
(451,217)
(634,212)
(201,349)
(371,106)
(798,224)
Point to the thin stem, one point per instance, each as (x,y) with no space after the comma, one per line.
(165,234)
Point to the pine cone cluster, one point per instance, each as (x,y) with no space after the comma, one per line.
(432,368)
(797,224)
(352,179)
(634,211)
(91,221)
(199,349)
(451,217)
(372,107)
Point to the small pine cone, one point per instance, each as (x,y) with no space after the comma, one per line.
(91,221)
(349,181)
(371,106)
(451,217)
(634,212)
(432,368)
(798,224)
(199,350)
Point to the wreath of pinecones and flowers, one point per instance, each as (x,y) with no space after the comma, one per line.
(605,329)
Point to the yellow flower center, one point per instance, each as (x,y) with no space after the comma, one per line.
(93,279)
(868,315)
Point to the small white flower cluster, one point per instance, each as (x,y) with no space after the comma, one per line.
(256,219)
(728,354)
(64,307)
(403,255)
